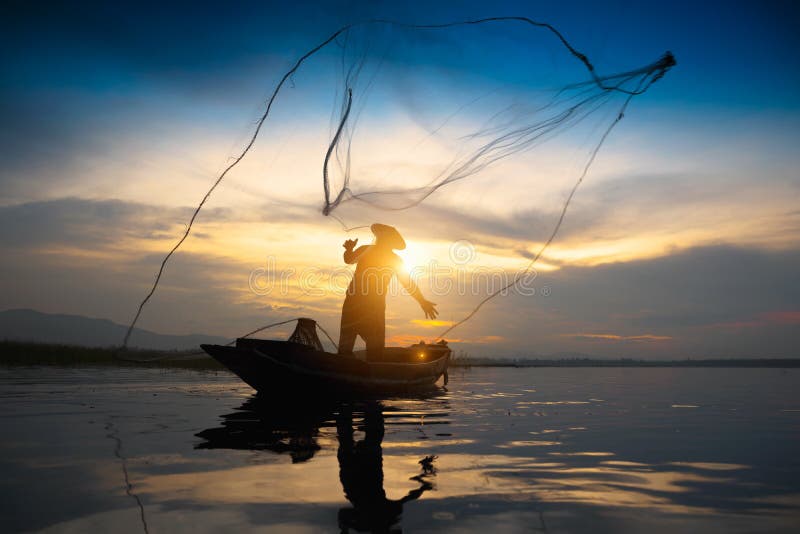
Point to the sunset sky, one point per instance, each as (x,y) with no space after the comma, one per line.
(683,241)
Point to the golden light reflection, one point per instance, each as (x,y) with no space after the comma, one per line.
(584,453)
(249,484)
(527,443)
(609,483)
(422,444)
(711,466)
(549,403)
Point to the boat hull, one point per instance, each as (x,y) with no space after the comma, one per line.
(284,367)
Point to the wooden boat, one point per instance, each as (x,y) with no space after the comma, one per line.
(300,366)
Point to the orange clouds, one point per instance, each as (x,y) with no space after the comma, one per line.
(773,318)
(431,323)
(615,337)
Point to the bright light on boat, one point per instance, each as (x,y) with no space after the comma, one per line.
(421,355)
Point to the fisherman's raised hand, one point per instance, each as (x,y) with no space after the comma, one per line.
(350,244)
(429,308)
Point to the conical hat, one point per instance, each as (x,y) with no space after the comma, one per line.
(389,235)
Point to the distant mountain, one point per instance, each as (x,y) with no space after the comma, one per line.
(31,325)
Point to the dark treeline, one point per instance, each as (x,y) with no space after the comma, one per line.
(14,353)
(21,353)
(625,362)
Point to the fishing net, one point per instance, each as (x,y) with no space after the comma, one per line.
(482,100)
(501,112)
(305,333)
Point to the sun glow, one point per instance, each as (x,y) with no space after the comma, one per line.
(412,258)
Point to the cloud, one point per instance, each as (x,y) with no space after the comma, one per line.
(622,217)
(431,323)
(615,337)
(685,229)
(688,297)
(94,224)
(98,257)
(764,319)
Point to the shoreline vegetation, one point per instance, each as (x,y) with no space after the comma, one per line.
(22,353)
(18,353)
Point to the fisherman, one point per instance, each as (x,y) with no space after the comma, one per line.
(364,309)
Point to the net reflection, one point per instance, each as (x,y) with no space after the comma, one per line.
(356,430)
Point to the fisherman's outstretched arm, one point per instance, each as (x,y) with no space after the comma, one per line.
(413,289)
(410,285)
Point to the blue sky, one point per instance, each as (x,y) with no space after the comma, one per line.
(730,52)
(116,117)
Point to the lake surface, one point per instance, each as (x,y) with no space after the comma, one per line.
(513,450)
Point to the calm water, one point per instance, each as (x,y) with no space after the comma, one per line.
(528,450)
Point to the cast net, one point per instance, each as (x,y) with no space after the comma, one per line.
(501,112)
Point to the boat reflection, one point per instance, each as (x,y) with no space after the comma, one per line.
(359,428)
(258,425)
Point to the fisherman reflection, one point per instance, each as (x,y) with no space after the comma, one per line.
(364,309)
(361,474)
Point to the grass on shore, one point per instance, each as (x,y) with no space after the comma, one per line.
(20,353)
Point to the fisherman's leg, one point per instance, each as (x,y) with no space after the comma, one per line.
(374,348)
(347,329)
(347,339)
(376,338)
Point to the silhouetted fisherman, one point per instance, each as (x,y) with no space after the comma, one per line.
(361,474)
(364,307)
